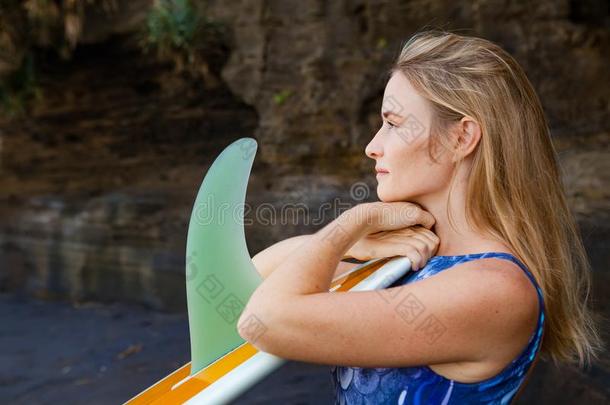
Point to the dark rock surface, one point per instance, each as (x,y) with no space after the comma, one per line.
(98,180)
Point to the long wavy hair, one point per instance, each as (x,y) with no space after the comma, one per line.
(515,191)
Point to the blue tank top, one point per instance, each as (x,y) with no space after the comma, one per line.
(421,385)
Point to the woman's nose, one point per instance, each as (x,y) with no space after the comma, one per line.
(374,149)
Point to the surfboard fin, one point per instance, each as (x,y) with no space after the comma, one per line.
(220,275)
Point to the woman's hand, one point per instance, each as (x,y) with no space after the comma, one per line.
(395,229)
(417,243)
(380,216)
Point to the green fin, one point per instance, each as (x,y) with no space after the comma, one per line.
(220,275)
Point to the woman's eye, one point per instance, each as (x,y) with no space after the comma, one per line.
(390,124)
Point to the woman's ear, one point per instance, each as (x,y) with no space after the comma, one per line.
(466,137)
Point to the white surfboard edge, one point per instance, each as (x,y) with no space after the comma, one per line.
(236,382)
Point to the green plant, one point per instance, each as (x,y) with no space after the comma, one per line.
(280,97)
(172,24)
(26,28)
(179,31)
(18,87)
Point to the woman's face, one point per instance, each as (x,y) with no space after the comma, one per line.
(400,147)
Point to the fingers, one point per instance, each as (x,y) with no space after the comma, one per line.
(416,242)
(414,214)
(428,237)
(425,231)
(415,257)
(424,218)
(417,252)
(418,215)
(420,247)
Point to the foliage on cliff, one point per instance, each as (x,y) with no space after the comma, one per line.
(177,30)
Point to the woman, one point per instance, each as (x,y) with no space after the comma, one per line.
(470,191)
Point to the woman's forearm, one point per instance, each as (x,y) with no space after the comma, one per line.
(268,259)
(311,267)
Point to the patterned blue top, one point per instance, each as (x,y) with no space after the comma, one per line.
(421,385)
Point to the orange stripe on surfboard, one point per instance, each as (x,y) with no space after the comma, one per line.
(179,387)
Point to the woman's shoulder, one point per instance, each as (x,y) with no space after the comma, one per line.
(515,320)
(505,277)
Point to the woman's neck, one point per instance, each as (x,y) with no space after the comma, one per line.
(460,238)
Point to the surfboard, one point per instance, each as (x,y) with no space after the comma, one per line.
(220,277)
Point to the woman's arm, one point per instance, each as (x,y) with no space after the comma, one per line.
(270,258)
(455,316)
(410,242)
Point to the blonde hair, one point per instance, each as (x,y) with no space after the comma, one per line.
(515,191)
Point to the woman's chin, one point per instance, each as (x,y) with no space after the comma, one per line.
(385,196)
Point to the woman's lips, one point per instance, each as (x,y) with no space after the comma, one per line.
(380,171)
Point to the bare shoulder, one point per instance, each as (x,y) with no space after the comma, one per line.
(501,279)
(508,301)
(506,276)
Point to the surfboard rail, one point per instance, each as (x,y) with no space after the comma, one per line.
(220,278)
(234,373)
